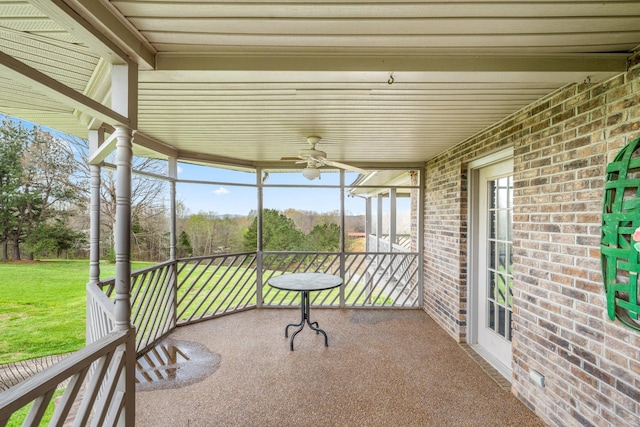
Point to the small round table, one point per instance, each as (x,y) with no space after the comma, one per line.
(305,283)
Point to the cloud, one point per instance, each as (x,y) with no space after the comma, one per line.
(220,191)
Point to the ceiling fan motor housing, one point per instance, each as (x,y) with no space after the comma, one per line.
(308,152)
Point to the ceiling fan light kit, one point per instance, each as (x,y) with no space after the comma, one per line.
(311,173)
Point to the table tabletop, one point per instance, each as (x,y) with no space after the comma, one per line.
(304,282)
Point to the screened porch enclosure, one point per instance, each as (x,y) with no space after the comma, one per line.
(376,258)
(370,246)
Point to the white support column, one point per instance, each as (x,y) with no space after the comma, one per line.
(124,156)
(420,243)
(173,174)
(392,218)
(379,199)
(124,100)
(259,257)
(96,137)
(368,277)
(367,223)
(343,258)
(124,93)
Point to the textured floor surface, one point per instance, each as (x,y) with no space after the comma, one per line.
(382,368)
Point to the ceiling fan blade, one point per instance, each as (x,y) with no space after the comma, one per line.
(344,166)
(290,159)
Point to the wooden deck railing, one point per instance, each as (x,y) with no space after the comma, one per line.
(97,382)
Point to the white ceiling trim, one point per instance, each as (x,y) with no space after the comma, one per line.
(52,88)
(584,63)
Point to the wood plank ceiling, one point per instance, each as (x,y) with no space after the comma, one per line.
(379,81)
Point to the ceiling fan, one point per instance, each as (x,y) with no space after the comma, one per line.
(316,158)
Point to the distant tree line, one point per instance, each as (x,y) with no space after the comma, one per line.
(312,232)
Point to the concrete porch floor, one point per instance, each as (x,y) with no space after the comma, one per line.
(382,368)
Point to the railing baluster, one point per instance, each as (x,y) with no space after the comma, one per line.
(38,408)
(201,289)
(201,286)
(63,408)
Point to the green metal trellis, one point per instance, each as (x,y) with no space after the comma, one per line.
(620,218)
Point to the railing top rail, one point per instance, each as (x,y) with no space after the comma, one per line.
(203,257)
(400,248)
(151,268)
(100,296)
(300,253)
(31,388)
(335,253)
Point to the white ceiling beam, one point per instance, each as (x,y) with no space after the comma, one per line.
(203,158)
(103,150)
(584,63)
(82,30)
(96,24)
(45,85)
(152,144)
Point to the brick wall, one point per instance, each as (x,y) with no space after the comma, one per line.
(562,144)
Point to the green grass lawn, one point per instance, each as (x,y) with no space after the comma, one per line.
(43,306)
(43,303)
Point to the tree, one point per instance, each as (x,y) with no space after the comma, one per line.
(324,238)
(13,138)
(279,233)
(54,238)
(147,202)
(147,193)
(209,233)
(48,182)
(38,184)
(199,229)
(184,248)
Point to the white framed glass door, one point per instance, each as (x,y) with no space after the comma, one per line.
(494,276)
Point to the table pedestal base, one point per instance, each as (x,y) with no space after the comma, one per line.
(304,308)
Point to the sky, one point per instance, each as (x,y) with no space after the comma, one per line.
(240,200)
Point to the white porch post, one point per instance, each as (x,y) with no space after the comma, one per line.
(124,100)
(392,218)
(368,279)
(96,137)
(173,174)
(379,198)
(173,238)
(124,156)
(259,255)
(124,91)
(367,224)
(343,258)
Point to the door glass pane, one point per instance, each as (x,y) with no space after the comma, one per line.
(499,234)
(501,320)
(492,194)
(493,223)
(503,193)
(492,285)
(503,224)
(491,313)
(492,255)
